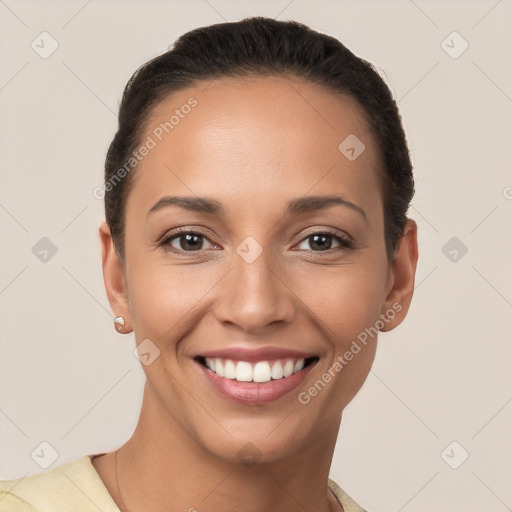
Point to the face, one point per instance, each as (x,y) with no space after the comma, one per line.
(255,289)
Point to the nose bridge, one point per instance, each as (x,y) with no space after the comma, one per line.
(254,265)
(255,294)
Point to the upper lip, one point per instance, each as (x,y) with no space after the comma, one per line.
(258,354)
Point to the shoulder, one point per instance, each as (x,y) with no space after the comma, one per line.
(77,485)
(74,485)
(349,505)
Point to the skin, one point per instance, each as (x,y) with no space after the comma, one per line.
(253,145)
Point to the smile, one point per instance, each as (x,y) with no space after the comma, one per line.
(255,377)
(260,371)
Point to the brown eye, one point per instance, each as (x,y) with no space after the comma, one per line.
(323,242)
(189,241)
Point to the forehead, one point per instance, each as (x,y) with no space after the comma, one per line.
(255,137)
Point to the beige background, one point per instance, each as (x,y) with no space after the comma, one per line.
(68,379)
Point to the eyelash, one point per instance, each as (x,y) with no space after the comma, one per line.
(345,242)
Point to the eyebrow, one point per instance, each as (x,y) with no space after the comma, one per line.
(294,207)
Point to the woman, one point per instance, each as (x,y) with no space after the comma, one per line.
(256,241)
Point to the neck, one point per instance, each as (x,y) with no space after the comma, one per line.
(163,469)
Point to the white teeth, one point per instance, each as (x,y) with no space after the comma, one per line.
(277,370)
(262,371)
(243,372)
(298,365)
(288,368)
(229,370)
(219,367)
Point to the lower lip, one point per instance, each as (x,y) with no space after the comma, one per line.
(256,393)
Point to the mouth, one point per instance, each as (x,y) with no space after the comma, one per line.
(260,371)
(255,378)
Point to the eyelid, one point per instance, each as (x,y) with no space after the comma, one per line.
(164,241)
(328,231)
(345,240)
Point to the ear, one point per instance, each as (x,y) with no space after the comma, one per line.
(401,278)
(114,278)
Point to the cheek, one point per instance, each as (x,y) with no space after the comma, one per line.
(164,298)
(345,305)
(342,301)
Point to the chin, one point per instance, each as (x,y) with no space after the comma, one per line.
(250,441)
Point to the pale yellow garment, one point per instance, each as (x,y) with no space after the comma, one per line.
(77,487)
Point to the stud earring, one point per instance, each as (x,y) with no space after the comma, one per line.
(119,323)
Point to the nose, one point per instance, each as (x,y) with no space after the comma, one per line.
(255,294)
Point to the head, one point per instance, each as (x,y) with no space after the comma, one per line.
(250,124)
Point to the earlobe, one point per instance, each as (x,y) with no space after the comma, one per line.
(403,271)
(113,277)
